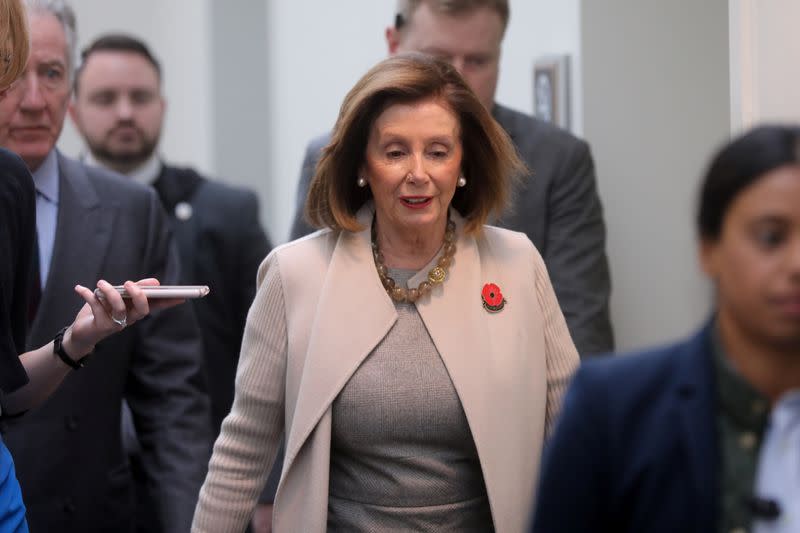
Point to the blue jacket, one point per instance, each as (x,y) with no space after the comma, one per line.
(636,447)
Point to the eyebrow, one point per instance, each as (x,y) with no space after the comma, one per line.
(390,137)
(769,219)
(52,63)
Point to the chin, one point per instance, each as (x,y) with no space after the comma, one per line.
(32,157)
(423,219)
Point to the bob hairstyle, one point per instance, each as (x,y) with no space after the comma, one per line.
(739,164)
(14,44)
(490,162)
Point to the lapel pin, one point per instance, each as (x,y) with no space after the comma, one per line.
(493,300)
(183,211)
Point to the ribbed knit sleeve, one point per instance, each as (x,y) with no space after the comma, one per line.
(560,352)
(250,435)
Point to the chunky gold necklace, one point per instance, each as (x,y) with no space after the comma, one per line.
(436,275)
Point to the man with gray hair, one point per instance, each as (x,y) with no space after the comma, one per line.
(94,224)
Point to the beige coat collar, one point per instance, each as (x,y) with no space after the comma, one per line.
(352,293)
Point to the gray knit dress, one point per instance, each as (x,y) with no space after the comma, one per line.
(402,455)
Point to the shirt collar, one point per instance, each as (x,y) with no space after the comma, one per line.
(735,395)
(146,173)
(46,177)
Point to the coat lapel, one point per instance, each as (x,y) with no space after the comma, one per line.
(482,363)
(83,229)
(465,351)
(697,403)
(176,186)
(353,315)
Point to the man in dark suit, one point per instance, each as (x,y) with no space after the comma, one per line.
(92,224)
(119,110)
(557,206)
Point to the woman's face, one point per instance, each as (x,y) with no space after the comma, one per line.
(412,163)
(755,263)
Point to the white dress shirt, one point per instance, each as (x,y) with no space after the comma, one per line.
(778,474)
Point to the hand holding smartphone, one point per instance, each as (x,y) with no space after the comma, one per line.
(164,291)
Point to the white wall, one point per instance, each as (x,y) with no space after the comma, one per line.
(656,104)
(765,50)
(178,31)
(538,28)
(316,51)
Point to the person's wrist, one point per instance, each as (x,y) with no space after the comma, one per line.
(75,349)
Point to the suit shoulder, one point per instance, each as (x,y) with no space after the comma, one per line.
(14,176)
(319,142)
(108,182)
(505,236)
(526,129)
(643,372)
(12,164)
(320,240)
(219,191)
(505,240)
(235,194)
(296,259)
(511,250)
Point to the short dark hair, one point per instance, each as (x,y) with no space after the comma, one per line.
(489,162)
(739,164)
(117,42)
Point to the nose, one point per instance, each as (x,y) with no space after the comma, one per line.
(458,63)
(32,98)
(417,172)
(124,109)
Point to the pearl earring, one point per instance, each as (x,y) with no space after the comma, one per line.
(461,181)
(361,182)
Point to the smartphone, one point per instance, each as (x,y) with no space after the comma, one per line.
(164,291)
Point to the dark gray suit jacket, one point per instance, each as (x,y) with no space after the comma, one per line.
(221,245)
(559,210)
(68,452)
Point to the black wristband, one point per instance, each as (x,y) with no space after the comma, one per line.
(58,348)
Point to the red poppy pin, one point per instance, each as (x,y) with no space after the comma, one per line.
(493,300)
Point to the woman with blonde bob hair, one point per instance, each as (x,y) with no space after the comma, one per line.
(414,357)
(14,44)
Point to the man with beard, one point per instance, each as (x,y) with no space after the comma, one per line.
(118,108)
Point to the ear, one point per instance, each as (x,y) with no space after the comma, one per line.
(708,252)
(73,113)
(392,39)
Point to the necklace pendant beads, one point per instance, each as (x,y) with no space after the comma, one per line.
(436,275)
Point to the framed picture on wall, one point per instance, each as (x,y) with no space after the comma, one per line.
(551,89)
